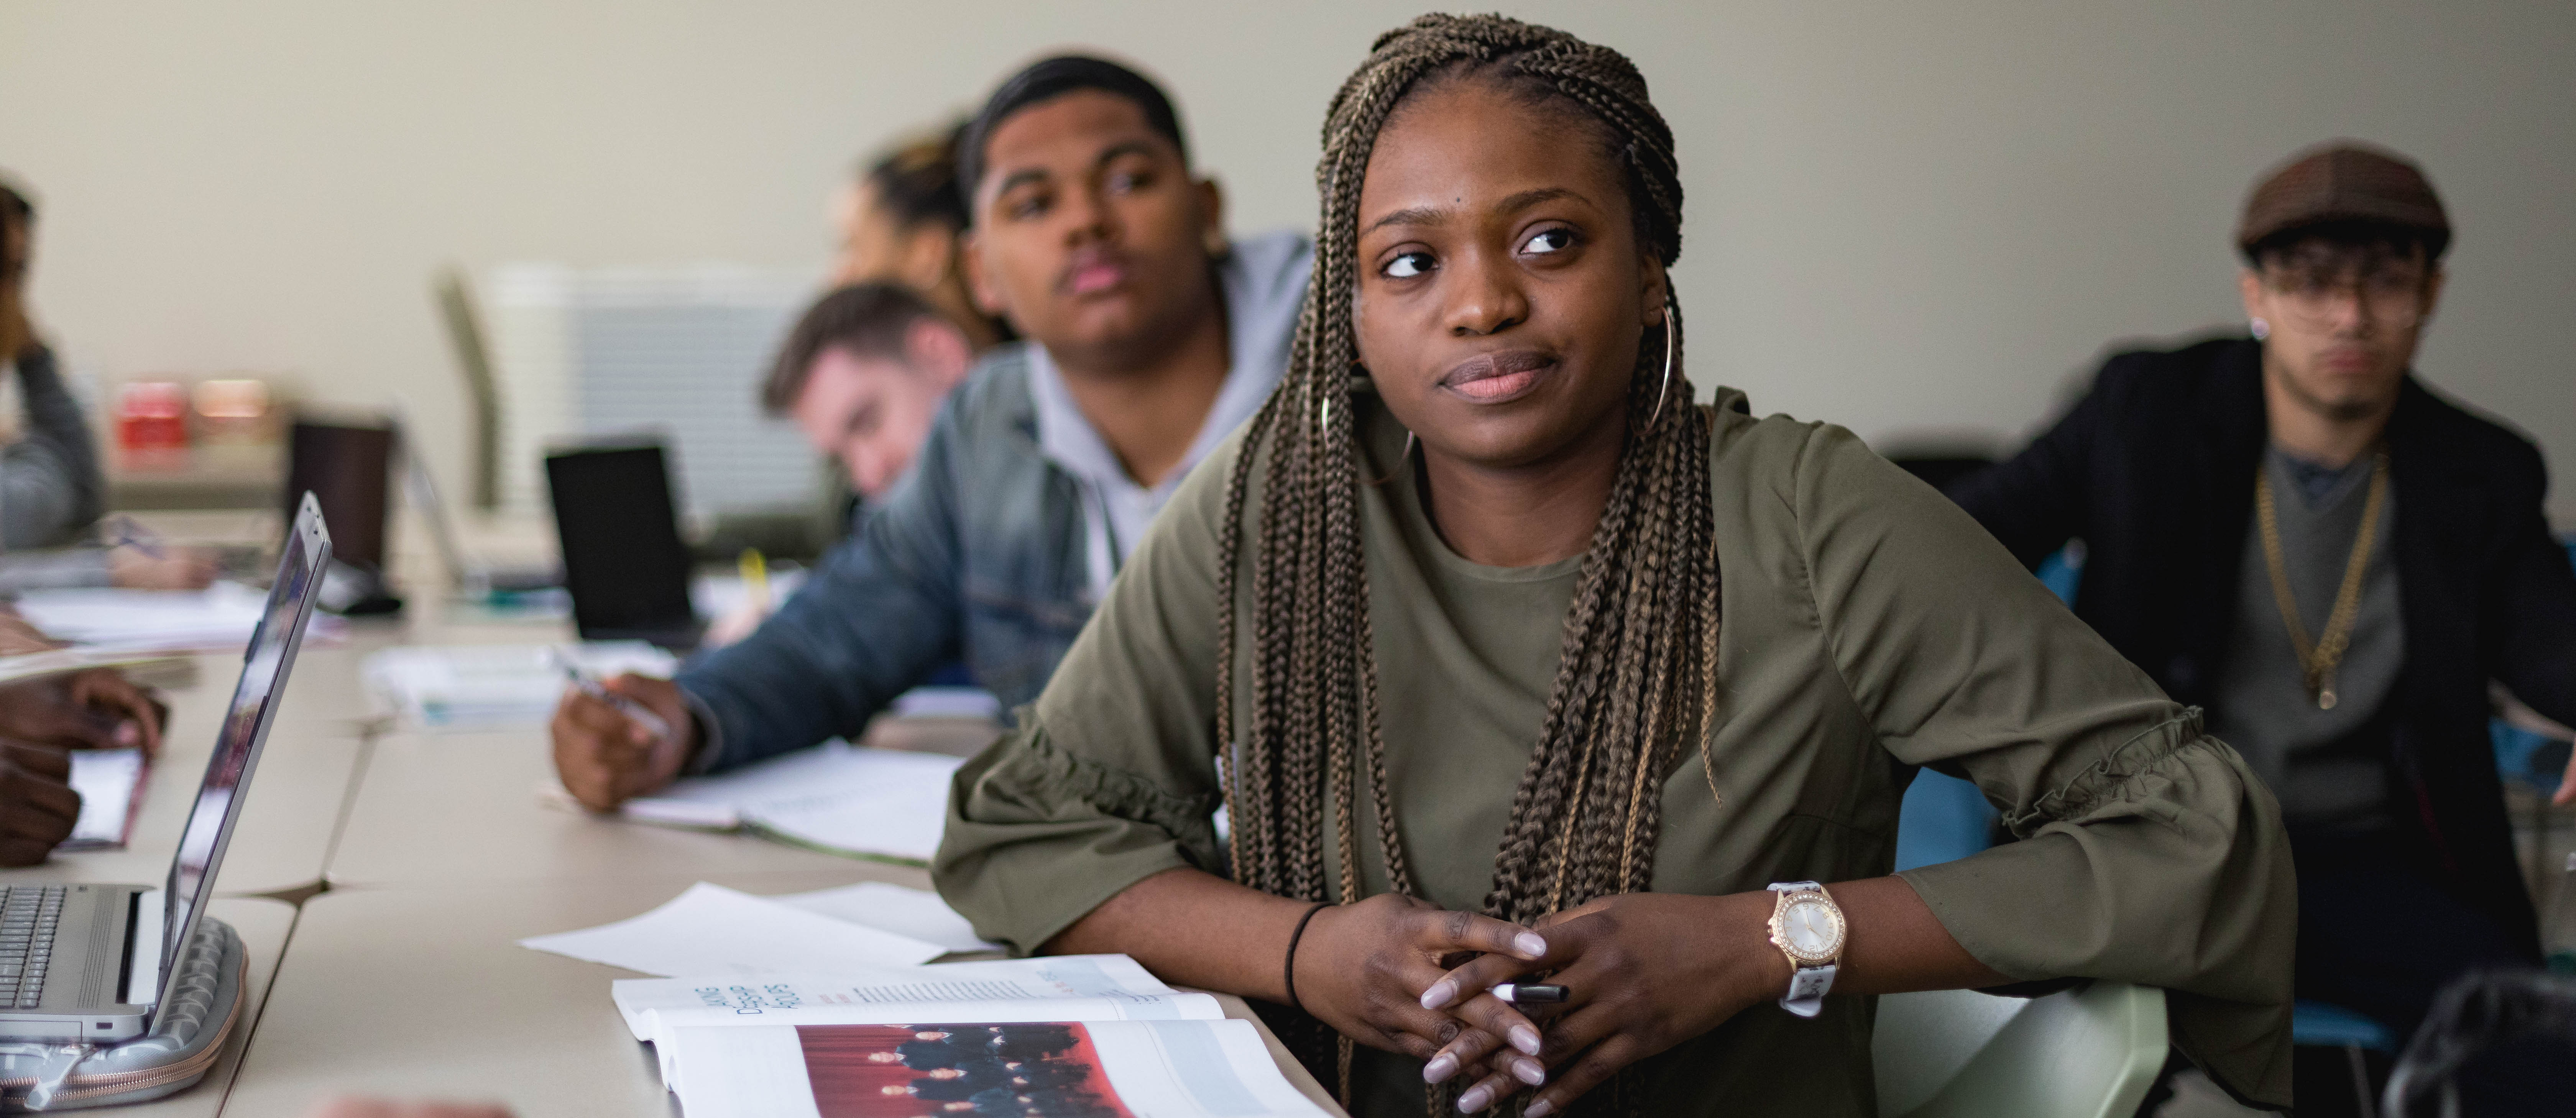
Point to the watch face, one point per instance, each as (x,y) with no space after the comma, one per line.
(1811,929)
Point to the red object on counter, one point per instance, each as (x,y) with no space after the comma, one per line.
(152,420)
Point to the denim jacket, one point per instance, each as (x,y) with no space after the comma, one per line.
(979,553)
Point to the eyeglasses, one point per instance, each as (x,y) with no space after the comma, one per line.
(2317,299)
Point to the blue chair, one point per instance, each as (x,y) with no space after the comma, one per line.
(1943,819)
(2063,571)
(2322,1025)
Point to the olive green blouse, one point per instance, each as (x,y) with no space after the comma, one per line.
(1869,627)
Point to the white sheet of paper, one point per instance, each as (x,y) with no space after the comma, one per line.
(712,930)
(918,913)
(220,616)
(835,796)
(105,779)
(1050,988)
(479,687)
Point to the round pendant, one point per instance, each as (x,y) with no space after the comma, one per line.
(2326,699)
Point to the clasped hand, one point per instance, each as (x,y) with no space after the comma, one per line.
(1645,971)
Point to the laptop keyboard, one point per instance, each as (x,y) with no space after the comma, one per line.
(28,916)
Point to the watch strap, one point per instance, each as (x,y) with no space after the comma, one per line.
(1807,984)
(1807,987)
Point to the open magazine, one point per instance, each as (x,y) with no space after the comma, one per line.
(1088,1035)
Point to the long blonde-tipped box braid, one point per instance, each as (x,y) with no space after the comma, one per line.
(1635,681)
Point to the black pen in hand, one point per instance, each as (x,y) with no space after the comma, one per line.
(1518,993)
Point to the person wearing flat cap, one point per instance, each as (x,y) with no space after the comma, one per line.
(2294,532)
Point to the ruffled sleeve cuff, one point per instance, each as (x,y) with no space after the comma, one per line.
(1038,837)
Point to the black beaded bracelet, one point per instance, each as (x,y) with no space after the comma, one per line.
(1290,977)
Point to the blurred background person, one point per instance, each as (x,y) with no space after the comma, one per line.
(51,489)
(50,485)
(2293,532)
(863,374)
(900,223)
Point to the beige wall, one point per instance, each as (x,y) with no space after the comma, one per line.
(1902,216)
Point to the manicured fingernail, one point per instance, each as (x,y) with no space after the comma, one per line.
(1475,1099)
(1529,1071)
(1441,1067)
(1529,944)
(1540,1109)
(1441,993)
(1525,1038)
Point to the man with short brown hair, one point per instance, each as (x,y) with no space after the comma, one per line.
(863,374)
(2293,532)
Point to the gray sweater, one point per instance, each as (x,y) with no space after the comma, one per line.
(50,486)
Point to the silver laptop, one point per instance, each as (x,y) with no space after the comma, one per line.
(471,579)
(88,962)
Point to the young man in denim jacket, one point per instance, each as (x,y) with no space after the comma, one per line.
(1148,338)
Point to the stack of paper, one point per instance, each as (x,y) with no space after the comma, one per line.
(146,667)
(836,797)
(221,616)
(482,687)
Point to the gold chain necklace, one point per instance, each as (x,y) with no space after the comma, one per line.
(2318,661)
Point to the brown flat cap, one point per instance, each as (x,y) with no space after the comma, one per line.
(2344,181)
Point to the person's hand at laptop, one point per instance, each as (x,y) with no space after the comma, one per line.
(606,757)
(37,804)
(95,709)
(178,568)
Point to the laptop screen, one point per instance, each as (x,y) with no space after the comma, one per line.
(264,667)
(349,470)
(623,559)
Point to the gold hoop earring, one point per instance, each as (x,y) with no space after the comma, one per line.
(1401,461)
(1672,326)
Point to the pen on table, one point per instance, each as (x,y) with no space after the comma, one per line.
(755,579)
(1517,993)
(127,532)
(589,685)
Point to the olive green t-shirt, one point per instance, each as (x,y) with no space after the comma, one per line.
(1869,627)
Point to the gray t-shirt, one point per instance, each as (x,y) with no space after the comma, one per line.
(2328,767)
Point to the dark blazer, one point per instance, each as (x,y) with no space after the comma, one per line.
(2154,470)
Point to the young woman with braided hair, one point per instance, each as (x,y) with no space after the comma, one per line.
(1450,625)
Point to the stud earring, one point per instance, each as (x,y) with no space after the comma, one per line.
(2260,329)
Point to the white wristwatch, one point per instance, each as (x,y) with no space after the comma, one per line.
(1807,926)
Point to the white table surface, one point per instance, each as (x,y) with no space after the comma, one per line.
(425,993)
(457,809)
(264,926)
